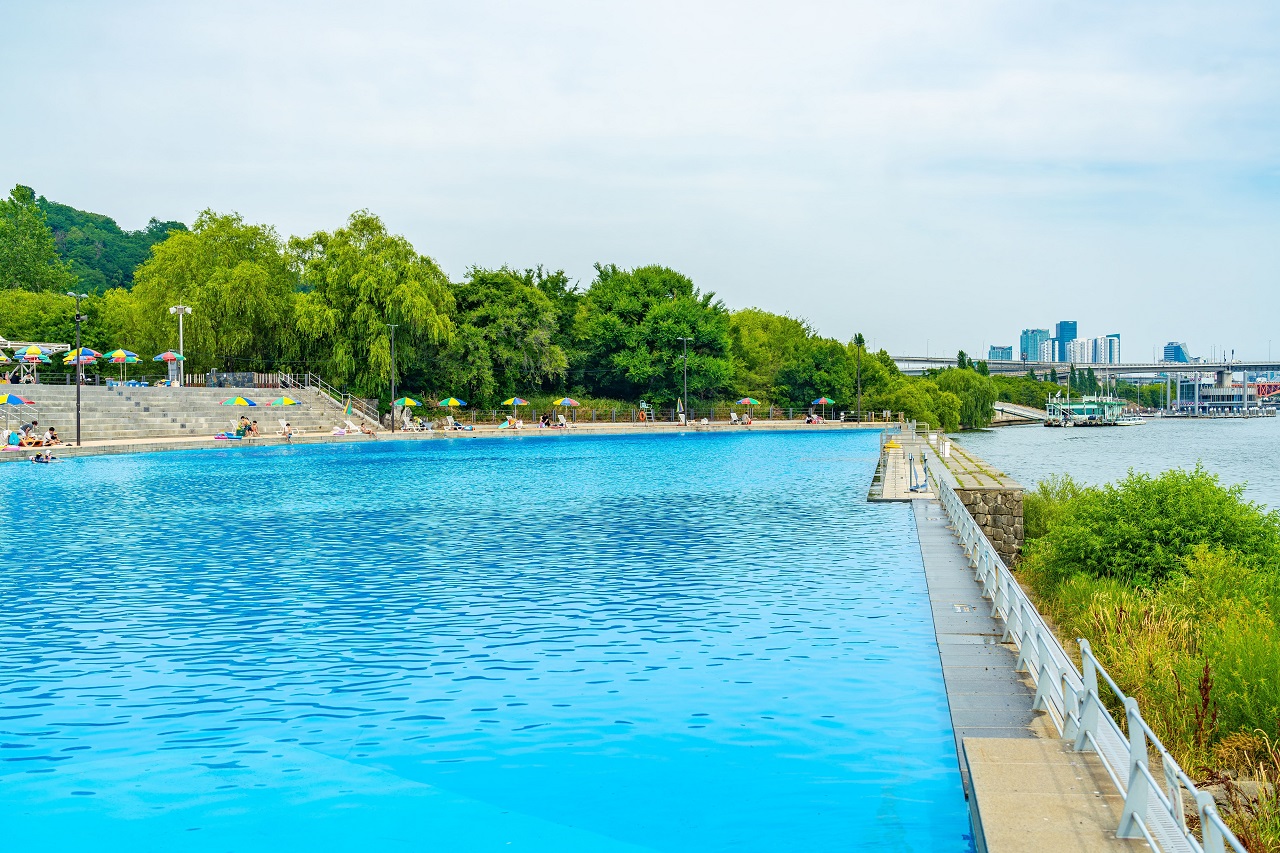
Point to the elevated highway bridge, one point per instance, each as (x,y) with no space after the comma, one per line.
(915,365)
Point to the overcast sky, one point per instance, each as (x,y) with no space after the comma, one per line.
(935,175)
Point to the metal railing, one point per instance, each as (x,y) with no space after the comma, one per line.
(1152,809)
(322,389)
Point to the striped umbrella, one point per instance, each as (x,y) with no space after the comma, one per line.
(84,355)
(31,355)
(12,400)
(122,357)
(824,402)
(170,355)
(4,359)
(748,402)
(449,402)
(406,401)
(238,401)
(284,401)
(565,401)
(513,402)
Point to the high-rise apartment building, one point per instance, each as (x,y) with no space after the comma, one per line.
(995,353)
(1048,350)
(1064,332)
(1174,351)
(1029,344)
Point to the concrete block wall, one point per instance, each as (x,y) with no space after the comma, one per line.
(133,413)
(998,512)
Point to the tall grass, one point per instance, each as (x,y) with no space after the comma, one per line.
(1181,608)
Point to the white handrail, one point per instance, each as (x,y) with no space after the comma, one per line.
(309,381)
(1071,700)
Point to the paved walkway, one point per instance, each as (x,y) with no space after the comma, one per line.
(1027,789)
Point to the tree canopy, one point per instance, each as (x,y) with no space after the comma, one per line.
(325,304)
(28,254)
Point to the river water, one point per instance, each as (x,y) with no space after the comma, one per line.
(1238,451)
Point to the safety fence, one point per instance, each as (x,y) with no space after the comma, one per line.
(1153,807)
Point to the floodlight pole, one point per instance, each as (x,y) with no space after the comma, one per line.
(393,376)
(181,311)
(686,378)
(79,360)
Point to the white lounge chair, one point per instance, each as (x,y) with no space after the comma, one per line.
(563,423)
(734,419)
(682,419)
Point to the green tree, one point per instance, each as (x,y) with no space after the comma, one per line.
(235,278)
(628,332)
(505,338)
(822,367)
(962,360)
(28,255)
(762,343)
(360,279)
(977,395)
(922,400)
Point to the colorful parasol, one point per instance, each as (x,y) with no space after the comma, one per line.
(451,401)
(238,401)
(283,401)
(565,401)
(406,401)
(169,355)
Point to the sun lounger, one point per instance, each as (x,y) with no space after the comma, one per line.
(454,424)
(562,422)
(734,419)
(682,419)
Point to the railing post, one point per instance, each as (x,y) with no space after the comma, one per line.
(1135,799)
(1070,709)
(1172,789)
(1089,707)
(1211,836)
(1044,695)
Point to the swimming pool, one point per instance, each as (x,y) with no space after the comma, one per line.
(704,642)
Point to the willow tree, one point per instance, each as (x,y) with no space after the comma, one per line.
(358,281)
(236,279)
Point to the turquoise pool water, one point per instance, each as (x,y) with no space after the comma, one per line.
(707,642)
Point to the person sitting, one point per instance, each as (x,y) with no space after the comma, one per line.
(253,430)
(29,435)
(519,423)
(51,437)
(367,430)
(288,432)
(545,421)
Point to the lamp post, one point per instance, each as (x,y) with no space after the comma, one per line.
(686,377)
(393,376)
(860,342)
(181,311)
(79,359)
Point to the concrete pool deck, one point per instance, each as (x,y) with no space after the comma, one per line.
(156,444)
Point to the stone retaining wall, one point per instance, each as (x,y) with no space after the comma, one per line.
(999,514)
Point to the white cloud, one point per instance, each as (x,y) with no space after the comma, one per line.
(861,164)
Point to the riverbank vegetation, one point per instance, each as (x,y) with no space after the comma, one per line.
(1175,582)
(324,303)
